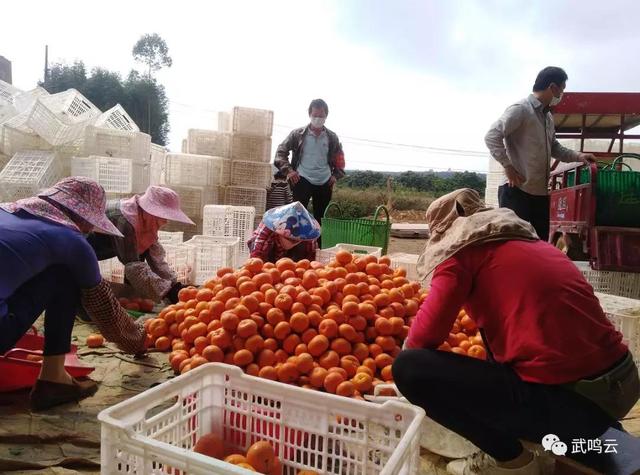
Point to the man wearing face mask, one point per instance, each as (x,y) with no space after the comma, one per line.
(317,160)
(523,142)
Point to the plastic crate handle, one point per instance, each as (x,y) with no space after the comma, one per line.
(332,204)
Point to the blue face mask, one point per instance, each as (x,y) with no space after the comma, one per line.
(317,122)
(556,100)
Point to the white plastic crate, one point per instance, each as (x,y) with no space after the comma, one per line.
(105,142)
(61,118)
(27,173)
(407,261)
(208,142)
(181,259)
(257,122)
(211,253)
(154,432)
(225,176)
(325,255)
(250,148)
(157,165)
(141,176)
(26,100)
(114,174)
(7,93)
(234,221)
(187,230)
(17,136)
(4,159)
(243,196)
(192,170)
(185,146)
(224,122)
(627,322)
(623,284)
(254,174)
(194,198)
(112,270)
(118,119)
(168,237)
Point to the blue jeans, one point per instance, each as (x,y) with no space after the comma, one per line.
(52,291)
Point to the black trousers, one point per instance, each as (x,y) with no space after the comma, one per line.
(54,292)
(303,191)
(490,405)
(531,208)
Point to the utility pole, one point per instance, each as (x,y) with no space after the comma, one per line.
(46,64)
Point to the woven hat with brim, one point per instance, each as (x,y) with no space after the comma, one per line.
(292,221)
(164,203)
(85,198)
(460,219)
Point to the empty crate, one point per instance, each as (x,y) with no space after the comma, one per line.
(250,148)
(61,118)
(194,198)
(192,170)
(114,174)
(255,174)
(27,173)
(233,221)
(157,165)
(247,121)
(18,136)
(211,253)
(180,259)
(208,142)
(105,142)
(167,237)
(117,118)
(243,196)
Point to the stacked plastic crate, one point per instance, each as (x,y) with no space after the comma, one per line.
(230,221)
(495,178)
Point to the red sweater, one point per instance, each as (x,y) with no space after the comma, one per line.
(537,311)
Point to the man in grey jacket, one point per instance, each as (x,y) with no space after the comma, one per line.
(523,142)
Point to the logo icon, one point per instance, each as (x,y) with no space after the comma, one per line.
(559,448)
(548,441)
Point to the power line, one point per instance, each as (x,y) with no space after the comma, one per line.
(372,142)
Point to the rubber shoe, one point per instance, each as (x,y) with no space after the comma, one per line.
(482,464)
(47,394)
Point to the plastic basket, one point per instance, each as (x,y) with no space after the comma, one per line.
(17,136)
(208,142)
(234,221)
(363,231)
(114,174)
(250,148)
(168,237)
(210,254)
(255,174)
(623,284)
(224,122)
(407,261)
(325,255)
(154,432)
(27,173)
(225,176)
(192,170)
(243,196)
(61,118)
(117,118)
(107,142)
(194,198)
(181,260)
(627,322)
(257,122)
(7,93)
(112,270)
(27,99)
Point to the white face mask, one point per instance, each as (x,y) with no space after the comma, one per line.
(556,100)
(317,122)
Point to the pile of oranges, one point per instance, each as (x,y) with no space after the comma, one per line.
(334,327)
(465,338)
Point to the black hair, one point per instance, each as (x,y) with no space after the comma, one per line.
(550,74)
(319,104)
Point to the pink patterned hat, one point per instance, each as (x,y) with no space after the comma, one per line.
(164,203)
(84,197)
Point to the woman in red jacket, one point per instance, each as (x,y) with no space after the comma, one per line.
(548,340)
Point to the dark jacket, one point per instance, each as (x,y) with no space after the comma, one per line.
(293,143)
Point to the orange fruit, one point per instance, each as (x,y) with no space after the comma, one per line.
(387,343)
(458,350)
(317,377)
(235,459)
(247,328)
(383,326)
(211,445)
(341,346)
(345,388)
(261,456)
(282,330)
(477,351)
(283,301)
(255,344)
(289,343)
(254,265)
(213,354)
(242,358)
(332,381)
(350,364)
(330,359)
(350,308)
(288,373)
(220,338)
(304,363)
(268,372)
(299,322)
(229,321)
(266,358)
(328,327)
(96,340)
(383,360)
(362,382)
(318,345)
(343,257)
(386,373)
(197,361)
(347,332)
(246,466)
(308,335)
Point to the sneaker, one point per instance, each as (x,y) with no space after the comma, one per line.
(482,464)
(47,394)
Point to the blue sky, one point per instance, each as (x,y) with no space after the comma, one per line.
(432,74)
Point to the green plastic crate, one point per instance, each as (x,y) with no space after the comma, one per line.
(617,193)
(362,231)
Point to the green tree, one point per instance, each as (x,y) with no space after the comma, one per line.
(104,88)
(147,101)
(65,76)
(153,51)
